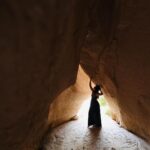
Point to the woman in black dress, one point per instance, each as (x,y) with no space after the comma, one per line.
(94,117)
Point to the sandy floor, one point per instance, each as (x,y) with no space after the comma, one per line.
(75,135)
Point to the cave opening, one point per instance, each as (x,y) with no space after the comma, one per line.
(84,108)
(74,132)
(104,109)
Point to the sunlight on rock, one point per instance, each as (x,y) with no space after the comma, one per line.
(75,135)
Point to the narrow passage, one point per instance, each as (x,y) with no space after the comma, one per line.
(75,135)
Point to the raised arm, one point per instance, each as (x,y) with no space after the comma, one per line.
(90,85)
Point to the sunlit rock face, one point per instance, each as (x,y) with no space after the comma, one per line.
(116,55)
(68,103)
(39,56)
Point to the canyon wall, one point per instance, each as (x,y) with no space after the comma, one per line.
(39,56)
(40,45)
(66,106)
(116,55)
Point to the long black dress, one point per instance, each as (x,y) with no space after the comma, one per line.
(94,117)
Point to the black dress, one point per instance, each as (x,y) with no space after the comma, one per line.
(94,117)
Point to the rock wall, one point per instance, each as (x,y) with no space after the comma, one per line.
(68,103)
(116,54)
(39,56)
(40,45)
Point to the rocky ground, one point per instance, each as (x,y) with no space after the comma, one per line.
(75,135)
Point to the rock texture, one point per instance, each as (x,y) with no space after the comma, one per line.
(39,56)
(75,135)
(116,55)
(68,103)
(40,45)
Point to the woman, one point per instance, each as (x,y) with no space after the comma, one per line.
(94,117)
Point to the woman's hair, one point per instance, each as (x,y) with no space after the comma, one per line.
(96,88)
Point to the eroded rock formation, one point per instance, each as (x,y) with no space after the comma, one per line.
(39,57)
(40,45)
(67,104)
(116,54)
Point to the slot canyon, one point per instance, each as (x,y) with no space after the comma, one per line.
(49,50)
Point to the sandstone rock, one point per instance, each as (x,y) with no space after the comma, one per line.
(119,59)
(68,103)
(39,56)
(40,43)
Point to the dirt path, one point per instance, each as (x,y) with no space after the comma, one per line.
(75,135)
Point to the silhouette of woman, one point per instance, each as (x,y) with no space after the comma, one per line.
(94,117)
